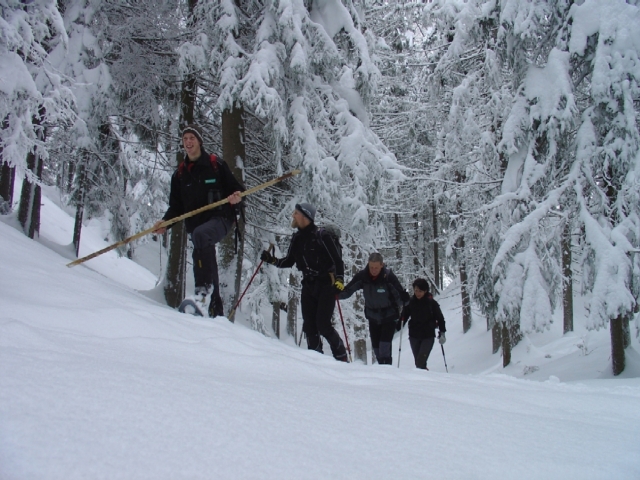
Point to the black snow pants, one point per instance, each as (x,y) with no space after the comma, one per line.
(205,265)
(317,301)
(421,348)
(381,339)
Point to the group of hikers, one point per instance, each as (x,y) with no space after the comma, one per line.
(203,179)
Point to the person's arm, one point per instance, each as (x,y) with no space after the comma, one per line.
(231,186)
(437,313)
(286,262)
(353,286)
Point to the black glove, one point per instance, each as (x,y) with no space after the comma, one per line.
(338,284)
(267,257)
(399,325)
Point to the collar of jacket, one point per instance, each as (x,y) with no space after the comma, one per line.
(203,159)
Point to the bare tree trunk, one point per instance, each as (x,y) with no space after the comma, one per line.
(464,292)
(436,261)
(176,276)
(7,181)
(506,346)
(511,336)
(176,272)
(292,307)
(398,228)
(233,153)
(496,338)
(617,345)
(31,195)
(275,318)
(567,284)
(77,226)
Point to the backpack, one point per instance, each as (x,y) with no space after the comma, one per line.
(334,232)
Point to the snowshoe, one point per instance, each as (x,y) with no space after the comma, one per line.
(197,304)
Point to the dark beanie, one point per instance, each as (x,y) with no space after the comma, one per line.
(422,284)
(307,210)
(195,129)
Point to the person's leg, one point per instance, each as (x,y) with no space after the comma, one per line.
(205,265)
(374,333)
(326,303)
(387,330)
(421,349)
(308,306)
(415,348)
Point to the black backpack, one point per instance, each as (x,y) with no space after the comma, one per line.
(334,232)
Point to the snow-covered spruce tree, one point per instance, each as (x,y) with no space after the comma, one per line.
(604,43)
(33,96)
(305,71)
(406,122)
(120,57)
(467,86)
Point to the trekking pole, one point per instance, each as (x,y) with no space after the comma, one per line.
(181,217)
(233,310)
(344,329)
(400,344)
(445,358)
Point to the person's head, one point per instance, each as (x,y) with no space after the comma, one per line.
(375,264)
(192,141)
(303,215)
(420,288)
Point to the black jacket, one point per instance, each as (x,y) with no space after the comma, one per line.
(314,252)
(425,315)
(200,183)
(383,296)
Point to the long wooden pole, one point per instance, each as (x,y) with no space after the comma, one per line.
(181,217)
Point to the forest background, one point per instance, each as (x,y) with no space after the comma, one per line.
(490,143)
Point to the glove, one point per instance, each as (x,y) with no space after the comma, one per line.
(267,257)
(442,338)
(399,325)
(338,285)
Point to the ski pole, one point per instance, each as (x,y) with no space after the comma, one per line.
(233,311)
(445,358)
(181,217)
(344,329)
(400,344)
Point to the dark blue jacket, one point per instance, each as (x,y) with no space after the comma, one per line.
(384,297)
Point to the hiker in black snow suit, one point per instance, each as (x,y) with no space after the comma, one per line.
(425,316)
(317,255)
(384,297)
(200,180)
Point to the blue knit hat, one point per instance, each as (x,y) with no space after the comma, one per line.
(307,210)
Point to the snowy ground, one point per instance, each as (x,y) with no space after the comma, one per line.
(99,381)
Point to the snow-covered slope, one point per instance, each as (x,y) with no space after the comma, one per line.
(98,381)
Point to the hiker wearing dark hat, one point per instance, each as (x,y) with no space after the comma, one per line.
(425,316)
(315,253)
(202,179)
(384,297)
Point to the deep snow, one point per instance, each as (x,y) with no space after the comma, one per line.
(99,381)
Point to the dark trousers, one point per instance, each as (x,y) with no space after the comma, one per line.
(205,265)
(317,301)
(381,340)
(421,348)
